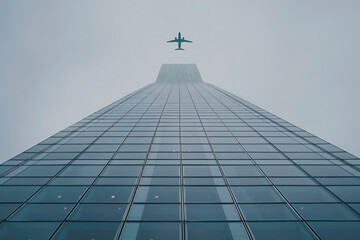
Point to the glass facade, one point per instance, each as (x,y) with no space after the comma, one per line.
(181,159)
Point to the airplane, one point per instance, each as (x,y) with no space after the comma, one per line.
(179,40)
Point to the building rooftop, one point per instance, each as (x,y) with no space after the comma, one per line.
(178,73)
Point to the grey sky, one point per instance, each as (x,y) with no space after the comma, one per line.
(62,60)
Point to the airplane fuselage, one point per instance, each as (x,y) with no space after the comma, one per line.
(179,40)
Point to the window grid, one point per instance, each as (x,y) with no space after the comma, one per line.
(186,157)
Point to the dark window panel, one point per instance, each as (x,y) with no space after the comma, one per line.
(337,230)
(154,212)
(280,230)
(108,194)
(98,212)
(87,230)
(215,231)
(158,194)
(27,230)
(211,212)
(207,194)
(42,212)
(151,230)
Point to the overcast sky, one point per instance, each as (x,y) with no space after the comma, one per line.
(63,60)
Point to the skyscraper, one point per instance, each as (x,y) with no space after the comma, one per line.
(181,159)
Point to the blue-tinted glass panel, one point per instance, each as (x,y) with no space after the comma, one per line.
(6,209)
(81,171)
(215,231)
(59,194)
(40,171)
(87,230)
(260,212)
(307,194)
(26,181)
(293,181)
(204,181)
(158,194)
(151,230)
(27,230)
(347,193)
(202,171)
(330,211)
(326,171)
(280,231)
(211,212)
(120,171)
(159,181)
(241,171)
(256,194)
(207,194)
(248,181)
(42,212)
(16,193)
(115,181)
(72,181)
(98,212)
(155,212)
(337,230)
(161,171)
(282,171)
(108,194)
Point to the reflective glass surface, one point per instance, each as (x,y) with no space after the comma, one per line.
(181,159)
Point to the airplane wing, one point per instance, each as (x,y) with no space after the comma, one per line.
(173,41)
(186,40)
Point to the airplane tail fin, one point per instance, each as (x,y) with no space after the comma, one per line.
(179,49)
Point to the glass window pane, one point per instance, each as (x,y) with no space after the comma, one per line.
(26,181)
(211,212)
(202,171)
(27,230)
(120,171)
(16,193)
(248,181)
(159,181)
(204,181)
(282,171)
(241,171)
(215,231)
(280,231)
(115,181)
(161,171)
(81,171)
(152,230)
(108,194)
(207,194)
(267,212)
(330,211)
(87,230)
(40,171)
(293,181)
(59,194)
(256,194)
(307,194)
(6,209)
(71,181)
(347,193)
(323,171)
(98,212)
(155,212)
(155,194)
(42,212)
(337,230)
